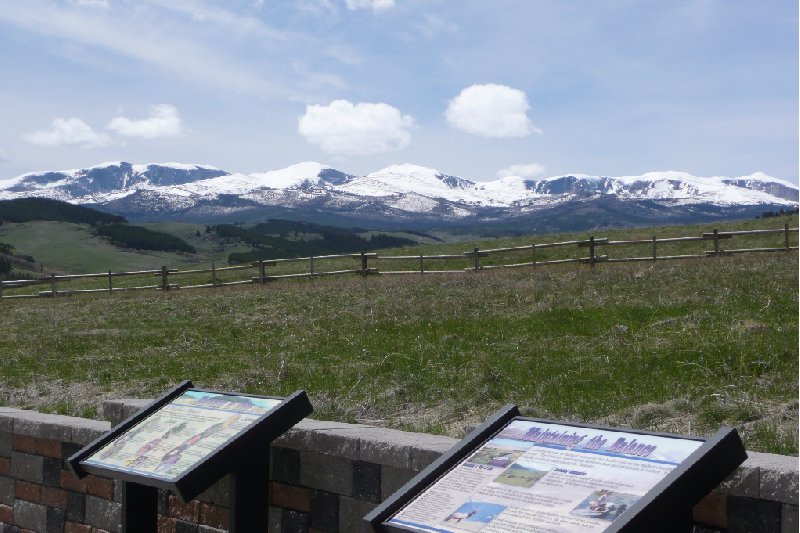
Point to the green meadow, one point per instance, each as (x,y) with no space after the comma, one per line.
(678,346)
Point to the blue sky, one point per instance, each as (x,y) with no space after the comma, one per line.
(473,88)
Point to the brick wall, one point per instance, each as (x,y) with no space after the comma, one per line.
(325,476)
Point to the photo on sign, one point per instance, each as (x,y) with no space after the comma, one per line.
(523,474)
(605,504)
(499,452)
(474,515)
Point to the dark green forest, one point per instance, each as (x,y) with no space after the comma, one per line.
(33,209)
(278,238)
(140,238)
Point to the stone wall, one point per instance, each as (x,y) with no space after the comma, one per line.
(325,476)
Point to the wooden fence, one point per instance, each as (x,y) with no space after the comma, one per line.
(164,279)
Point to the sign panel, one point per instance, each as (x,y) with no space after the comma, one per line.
(537,476)
(513,474)
(180,434)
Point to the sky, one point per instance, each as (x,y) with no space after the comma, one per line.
(475,88)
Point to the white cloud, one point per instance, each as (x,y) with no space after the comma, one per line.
(68,132)
(491,111)
(163,122)
(527,170)
(375,5)
(3,156)
(91,3)
(343,128)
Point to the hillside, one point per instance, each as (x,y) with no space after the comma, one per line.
(680,346)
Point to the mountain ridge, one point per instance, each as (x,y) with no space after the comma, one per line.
(404,193)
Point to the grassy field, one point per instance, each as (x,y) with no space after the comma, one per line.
(679,346)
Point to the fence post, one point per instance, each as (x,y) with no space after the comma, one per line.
(716,241)
(262,273)
(533,254)
(477,259)
(786,236)
(53,284)
(591,251)
(1,290)
(311,264)
(213,275)
(363,264)
(110,287)
(164,278)
(421,265)
(655,256)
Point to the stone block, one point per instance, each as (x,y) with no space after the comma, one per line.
(181,526)
(132,406)
(74,527)
(351,515)
(218,493)
(294,522)
(275,519)
(324,472)
(100,486)
(7,490)
(744,481)
(189,512)
(778,476)
(393,478)
(208,529)
(779,485)
(215,516)
(48,448)
(102,513)
(31,492)
(68,449)
(6,514)
(85,431)
(748,515)
(116,411)
(7,418)
(30,515)
(69,481)
(44,426)
(54,497)
(51,471)
(789,519)
(55,520)
(285,465)
(324,512)
(366,481)
(76,507)
(27,467)
(712,511)
(5,444)
(24,443)
(290,497)
(393,454)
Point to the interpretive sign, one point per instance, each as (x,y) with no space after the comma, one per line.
(520,474)
(187,440)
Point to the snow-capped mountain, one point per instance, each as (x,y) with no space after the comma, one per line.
(399,193)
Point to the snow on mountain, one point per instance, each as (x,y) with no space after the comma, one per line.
(410,189)
(411,179)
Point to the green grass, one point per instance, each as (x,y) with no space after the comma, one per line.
(679,346)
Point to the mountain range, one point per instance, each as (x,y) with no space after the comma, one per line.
(404,196)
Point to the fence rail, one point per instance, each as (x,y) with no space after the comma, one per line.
(267,270)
